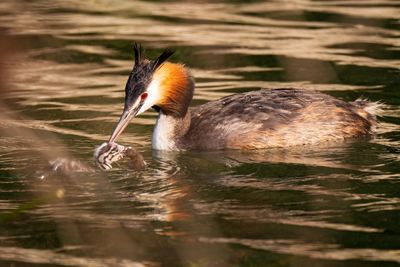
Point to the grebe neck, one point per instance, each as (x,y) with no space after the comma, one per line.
(169,131)
(174,88)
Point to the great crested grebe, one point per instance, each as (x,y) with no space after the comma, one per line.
(253,120)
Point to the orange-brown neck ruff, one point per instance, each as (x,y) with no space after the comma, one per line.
(176,89)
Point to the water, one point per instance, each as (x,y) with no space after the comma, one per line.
(321,206)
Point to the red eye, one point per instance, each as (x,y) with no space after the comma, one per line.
(143,96)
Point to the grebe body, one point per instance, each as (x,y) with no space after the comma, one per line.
(254,120)
(264,119)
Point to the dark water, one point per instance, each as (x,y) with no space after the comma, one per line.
(321,206)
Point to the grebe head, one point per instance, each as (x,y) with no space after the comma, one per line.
(165,86)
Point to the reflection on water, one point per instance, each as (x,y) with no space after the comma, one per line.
(324,206)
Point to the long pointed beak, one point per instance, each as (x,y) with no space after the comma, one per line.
(126,117)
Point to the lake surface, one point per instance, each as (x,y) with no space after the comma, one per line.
(330,206)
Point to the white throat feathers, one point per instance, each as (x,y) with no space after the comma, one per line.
(169,131)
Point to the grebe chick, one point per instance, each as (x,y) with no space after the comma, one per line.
(254,120)
(104,156)
(108,153)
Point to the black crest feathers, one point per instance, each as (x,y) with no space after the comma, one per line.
(154,64)
(161,59)
(138,50)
